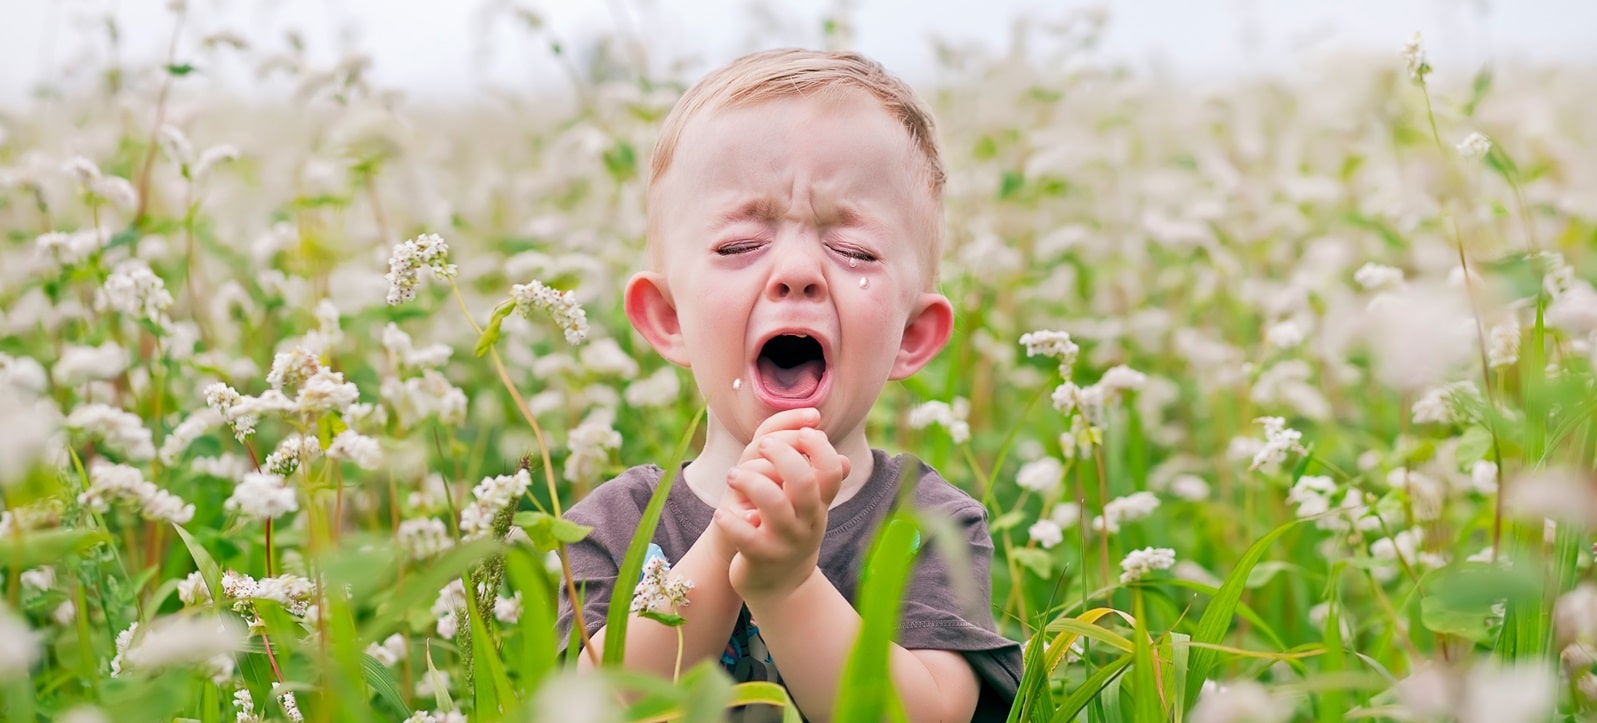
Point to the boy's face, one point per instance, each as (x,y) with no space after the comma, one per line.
(793,257)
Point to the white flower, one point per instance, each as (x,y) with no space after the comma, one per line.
(1524,692)
(658,590)
(1502,345)
(1056,344)
(948,416)
(1574,309)
(1121,378)
(590,444)
(1575,615)
(507,610)
(1376,277)
(1414,59)
(1138,563)
(120,483)
(1046,533)
(39,578)
(428,251)
(293,368)
(1041,475)
(358,448)
(80,364)
(293,452)
(121,430)
(492,496)
(1065,514)
(423,537)
(391,651)
(605,356)
(176,640)
(65,250)
(1240,701)
(262,496)
(238,413)
(212,157)
(1130,508)
(19,646)
(290,705)
(133,289)
(660,389)
(1474,146)
(1284,335)
(1278,441)
(324,392)
(1189,487)
(561,306)
(1483,477)
(406,356)
(1440,405)
(184,434)
(192,590)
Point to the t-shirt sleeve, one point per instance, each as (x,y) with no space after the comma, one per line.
(593,560)
(948,605)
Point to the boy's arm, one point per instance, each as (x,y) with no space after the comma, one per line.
(806,623)
(708,617)
(810,632)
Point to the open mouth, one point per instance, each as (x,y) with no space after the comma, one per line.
(791,367)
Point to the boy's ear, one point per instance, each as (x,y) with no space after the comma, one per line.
(653,313)
(926,333)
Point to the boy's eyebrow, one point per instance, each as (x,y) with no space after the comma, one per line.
(767,208)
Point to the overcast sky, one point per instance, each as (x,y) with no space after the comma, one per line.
(435,48)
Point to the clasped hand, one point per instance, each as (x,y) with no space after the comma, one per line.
(775,509)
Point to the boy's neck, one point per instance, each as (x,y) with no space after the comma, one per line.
(706,474)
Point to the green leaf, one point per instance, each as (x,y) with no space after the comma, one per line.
(706,692)
(46,547)
(1478,89)
(1037,561)
(1217,617)
(880,601)
(762,693)
(420,589)
(615,637)
(547,531)
(209,570)
(1473,445)
(179,70)
(1145,693)
(535,630)
(382,681)
(666,619)
(1090,689)
(1467,624)
(1006,521)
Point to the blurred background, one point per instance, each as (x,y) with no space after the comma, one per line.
(455,50)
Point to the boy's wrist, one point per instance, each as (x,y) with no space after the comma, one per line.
(770,598)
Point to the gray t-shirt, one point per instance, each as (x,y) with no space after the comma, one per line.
(933,614)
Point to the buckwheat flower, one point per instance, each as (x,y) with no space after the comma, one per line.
(423,537)
(1502,345)
(1046,533)
(1425,493)
(262,496)
(81,364)
(32,430)
(176,145)
(82,169)
(562,306)
(1575,615)
(1574,309)
(39,578)
(293,592)
(1278,441)
(325,392)
(660,389)
(192,590)
(1138,563)
(605,356)
(133,289)
(115,190)
(437,717)
(427,251)
(1081,439)
(1121,378)
(1065,514)
(177,640)
(110,483)
(1240,701)
(1055,344)
(1130,508)
(491,496)
(1188,487)
(659,591)
(212,157)
(1414,59)
(392,650)
(507,610)
(1376,277)
(1284,335)
(290,705)
(24,375)
(1042,475)
(65,250)
(358,448)
(1474,147)
(293,368)
(1483,477)
(1521,692)
(184,434)
(292,453)
(1578,656)
(19,646)
(119,429)
(406,356)
(590,444)
(240,412)
(1441,405)
(948,416)
(84,714)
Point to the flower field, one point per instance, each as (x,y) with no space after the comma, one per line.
(1280,395)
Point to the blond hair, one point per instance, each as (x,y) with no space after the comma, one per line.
(773,74)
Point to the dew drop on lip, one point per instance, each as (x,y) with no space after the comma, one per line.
(737,384)
(864,282)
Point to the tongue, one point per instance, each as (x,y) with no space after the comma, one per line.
(796,382)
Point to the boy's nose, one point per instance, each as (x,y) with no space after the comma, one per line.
(797,275)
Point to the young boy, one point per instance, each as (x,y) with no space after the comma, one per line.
(795,208)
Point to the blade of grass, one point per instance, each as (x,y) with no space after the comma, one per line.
(862,695)
(1217,617)
(1090,689)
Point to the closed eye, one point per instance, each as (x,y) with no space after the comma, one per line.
(736,247)
(855,253)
